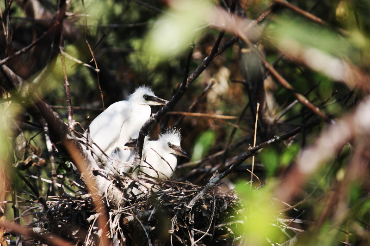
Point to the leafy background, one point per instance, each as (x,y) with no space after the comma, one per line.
(136,44)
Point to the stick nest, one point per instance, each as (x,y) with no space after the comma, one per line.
(158,217)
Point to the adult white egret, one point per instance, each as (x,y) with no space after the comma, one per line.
(122,120)
(159,157)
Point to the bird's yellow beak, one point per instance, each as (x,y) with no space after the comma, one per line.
(153,100)
(179,151)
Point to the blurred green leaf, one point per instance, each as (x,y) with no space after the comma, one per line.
(289,154)
(175,30)
(270,160)
(203,144)
(259,214)
(312,34)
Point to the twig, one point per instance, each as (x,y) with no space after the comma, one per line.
(92,54)
(66,83)
(302,12)
(195,102)
(78,61)
(232,135)
(254,142)
(149,242)
(33,189)
(293,103)
(213,116)
(255,176)
(97,73)
(76,108)
(50,150)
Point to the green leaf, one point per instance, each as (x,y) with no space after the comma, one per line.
(175,30)
(270,160)
(203,144)
(289,154)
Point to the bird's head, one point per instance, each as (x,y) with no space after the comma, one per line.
(171,141)
(144,95)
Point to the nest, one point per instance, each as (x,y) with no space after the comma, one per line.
(146,218)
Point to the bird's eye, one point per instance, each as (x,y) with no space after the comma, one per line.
(145,96)
(169,144)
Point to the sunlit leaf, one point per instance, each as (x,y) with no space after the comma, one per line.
(175,30)
(259,214)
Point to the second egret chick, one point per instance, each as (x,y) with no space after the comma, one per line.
(159,157)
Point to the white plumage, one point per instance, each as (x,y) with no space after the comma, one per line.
(123,120)
(159,157)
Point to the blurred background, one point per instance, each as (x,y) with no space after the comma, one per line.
(320,48)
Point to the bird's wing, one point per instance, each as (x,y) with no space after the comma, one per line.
(106,127)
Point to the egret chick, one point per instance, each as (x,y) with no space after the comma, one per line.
(159,157)
(123,120)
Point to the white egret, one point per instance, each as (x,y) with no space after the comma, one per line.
(123,120)
(159,157)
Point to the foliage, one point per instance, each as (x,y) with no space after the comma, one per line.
(311,183)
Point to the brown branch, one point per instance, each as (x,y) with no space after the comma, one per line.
(232,135)
(92,187)
(76,108)
(254,142)
(66,83)
(49,147)
(212,116)
(302,12)
(195,102)
(47,238)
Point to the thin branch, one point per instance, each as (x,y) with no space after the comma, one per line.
(212,116)
(50,150)
(78,61)
(76,108)
(195,102)
(33,189)
(293,104)
(66,83)
(232,134)
(92,187)
(254,142)
(206,61)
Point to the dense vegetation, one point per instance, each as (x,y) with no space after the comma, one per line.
(301,176)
